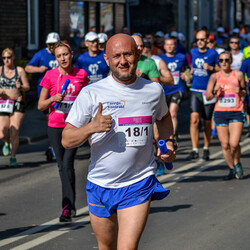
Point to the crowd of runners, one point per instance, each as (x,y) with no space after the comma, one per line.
(126,96)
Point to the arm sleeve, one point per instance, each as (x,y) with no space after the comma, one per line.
(81,112)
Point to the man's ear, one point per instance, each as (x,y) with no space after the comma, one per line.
(106,59)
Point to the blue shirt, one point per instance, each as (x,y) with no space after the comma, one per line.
(245,68)
(200,75)
(43,58)
(95,66)
(175,65)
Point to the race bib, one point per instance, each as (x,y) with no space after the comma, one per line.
(66,104)
(6,106)
(176,77)
(205,101)
(136,130)
(227,100)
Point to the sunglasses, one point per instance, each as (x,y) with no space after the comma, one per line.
(6,57)
(227,60)
(201,39)
(234,42)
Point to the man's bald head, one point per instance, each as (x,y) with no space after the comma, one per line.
(118,40)
(139,42)
(122,57)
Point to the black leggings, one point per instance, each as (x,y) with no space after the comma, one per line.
(65,160)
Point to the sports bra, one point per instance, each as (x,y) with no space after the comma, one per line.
(8,83)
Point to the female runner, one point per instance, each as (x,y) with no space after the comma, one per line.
(52,84)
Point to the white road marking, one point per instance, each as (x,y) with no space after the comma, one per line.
(245,145)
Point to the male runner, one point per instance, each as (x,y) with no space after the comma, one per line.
(176,64)
(236,53)
(146,66)
(93,61)
(204,62)
(118,113)
(165,75)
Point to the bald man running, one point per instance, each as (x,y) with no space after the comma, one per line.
(118,113)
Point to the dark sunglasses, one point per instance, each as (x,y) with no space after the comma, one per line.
(234,42)
(227,60)
(201,39)
(6,57)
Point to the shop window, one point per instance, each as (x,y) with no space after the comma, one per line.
(33,24)
(77,19)
(106,13)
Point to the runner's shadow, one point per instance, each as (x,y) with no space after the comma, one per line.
(168,209)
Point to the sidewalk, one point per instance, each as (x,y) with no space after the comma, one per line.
(34,127)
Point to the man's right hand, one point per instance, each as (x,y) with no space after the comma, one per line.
(102,123)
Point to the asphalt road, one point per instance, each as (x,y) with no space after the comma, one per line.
(202,211)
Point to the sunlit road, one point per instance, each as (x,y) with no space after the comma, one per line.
(202,211)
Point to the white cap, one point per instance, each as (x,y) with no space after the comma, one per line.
(181,37)
(91,36)
(102,37)
(220,29)
(52,37)
(174,34)
(236,30)
(166,36)
(159,33)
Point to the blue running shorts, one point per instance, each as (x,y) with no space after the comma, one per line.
(223,118)
(103,202)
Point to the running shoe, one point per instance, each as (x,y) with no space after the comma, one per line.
(73,213)
(6,149)
(66,215)
(214,133)
(192,156)
(13,162)
(160,169)
(206,154)
(239,171)
(49,154)
(231,174)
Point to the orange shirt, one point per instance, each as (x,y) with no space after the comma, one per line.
(227,99)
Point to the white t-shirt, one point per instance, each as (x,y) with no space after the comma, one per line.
(157,61)
(237,61)
(125,154)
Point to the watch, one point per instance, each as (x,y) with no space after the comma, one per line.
(174,143)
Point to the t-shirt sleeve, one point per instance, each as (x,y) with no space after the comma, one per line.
(243,67)
(81,112)
(162,107)
(153,71)
(46,83)
(35,60)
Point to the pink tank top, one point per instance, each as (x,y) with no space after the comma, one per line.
(227,99)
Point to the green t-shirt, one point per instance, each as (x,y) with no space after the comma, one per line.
(246,52)
(147,68)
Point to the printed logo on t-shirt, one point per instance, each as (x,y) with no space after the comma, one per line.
(172,66)
(53,64)
(199,63)
(93,68)
(116,105)
(71,89)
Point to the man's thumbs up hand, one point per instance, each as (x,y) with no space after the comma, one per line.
(102,123)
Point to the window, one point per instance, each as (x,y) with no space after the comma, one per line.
(33,24)
(106,11)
